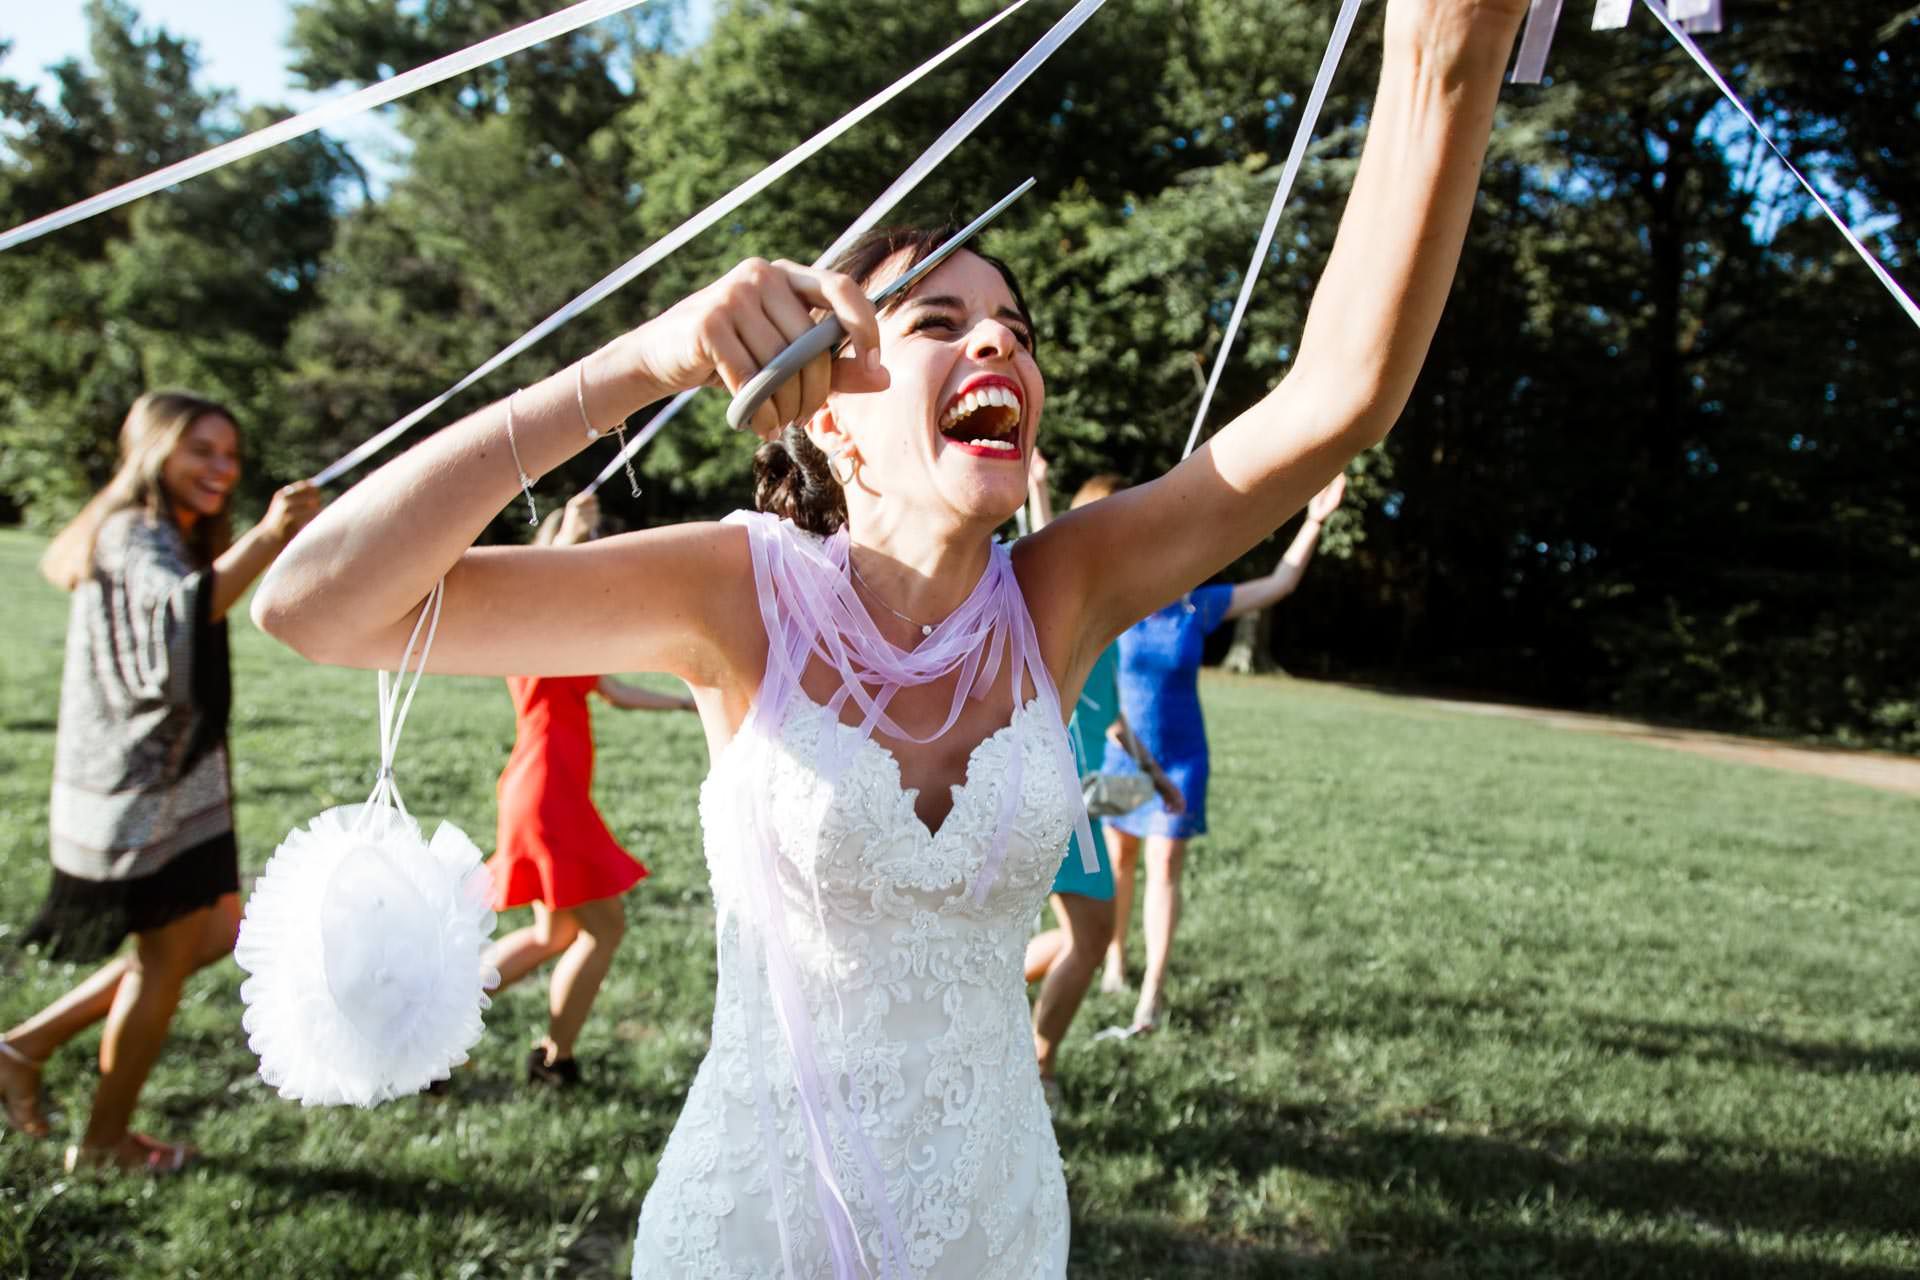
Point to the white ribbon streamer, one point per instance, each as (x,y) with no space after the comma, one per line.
(1885,277)
(328,113)
(667,244)
(394,706)
(1342,28)
(1531,62)
(913,176)
(960,129)
(1611,15)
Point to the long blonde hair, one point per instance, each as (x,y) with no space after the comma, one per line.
(154,428)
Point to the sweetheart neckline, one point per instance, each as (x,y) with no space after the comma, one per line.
(957,790)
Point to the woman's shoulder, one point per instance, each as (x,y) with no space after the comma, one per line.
(131,534)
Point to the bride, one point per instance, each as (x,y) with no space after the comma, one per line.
(880,683)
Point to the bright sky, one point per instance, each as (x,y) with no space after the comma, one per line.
(241,45)
(240,40)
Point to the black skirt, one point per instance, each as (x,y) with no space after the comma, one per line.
(84,920)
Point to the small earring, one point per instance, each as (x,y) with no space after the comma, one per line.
(853,467)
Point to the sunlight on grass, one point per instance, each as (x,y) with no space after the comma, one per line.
(1453,997)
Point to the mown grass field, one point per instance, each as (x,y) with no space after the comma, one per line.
(1454,997)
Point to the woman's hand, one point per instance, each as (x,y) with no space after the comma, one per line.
(1037,470)
(730,330)
(290,509)
(1327,501)
(581,521)
(1176,804)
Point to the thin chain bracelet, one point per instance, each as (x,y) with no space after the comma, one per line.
(526,481)
(633,481)
(593,432)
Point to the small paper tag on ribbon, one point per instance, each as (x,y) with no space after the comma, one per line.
(1531,63)
(1611,15)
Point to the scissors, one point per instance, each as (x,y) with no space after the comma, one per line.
(830,333)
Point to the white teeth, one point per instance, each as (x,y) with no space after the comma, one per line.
(999,397)
(1000,446)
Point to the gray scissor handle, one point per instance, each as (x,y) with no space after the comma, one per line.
(828,334)
(817,341)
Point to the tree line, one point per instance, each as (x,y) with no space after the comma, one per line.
(1661,459)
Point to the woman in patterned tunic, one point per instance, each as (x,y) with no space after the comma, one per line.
(882,683)
(141,822)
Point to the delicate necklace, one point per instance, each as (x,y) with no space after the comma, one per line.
(926,629)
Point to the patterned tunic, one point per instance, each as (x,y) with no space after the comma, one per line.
(140,759)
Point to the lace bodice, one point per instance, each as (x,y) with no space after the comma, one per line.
(918,1007)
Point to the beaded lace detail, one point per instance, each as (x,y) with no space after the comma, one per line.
(918,1010)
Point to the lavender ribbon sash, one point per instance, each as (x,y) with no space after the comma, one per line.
(810,612)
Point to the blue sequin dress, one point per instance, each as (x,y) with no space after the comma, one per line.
(1160,693)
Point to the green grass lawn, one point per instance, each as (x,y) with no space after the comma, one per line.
(1453,997)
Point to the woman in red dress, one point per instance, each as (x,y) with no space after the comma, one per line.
(555,853)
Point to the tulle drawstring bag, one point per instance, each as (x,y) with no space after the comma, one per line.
(364,939)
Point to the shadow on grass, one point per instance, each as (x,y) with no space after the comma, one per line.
(1744,1046)
(1143,1248)
(1449,1193)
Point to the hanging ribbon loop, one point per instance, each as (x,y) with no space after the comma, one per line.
(396,699)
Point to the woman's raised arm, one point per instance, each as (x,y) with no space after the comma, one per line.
(348,587)
(1366,335)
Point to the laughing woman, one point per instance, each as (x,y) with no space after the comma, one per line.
(882,684)
(142,817)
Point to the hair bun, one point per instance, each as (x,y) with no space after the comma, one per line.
(791,480)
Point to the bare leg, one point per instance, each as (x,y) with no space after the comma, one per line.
(524,950)
(42,1034)
(39,1036)
(1165,857)
(1043,949)
(1087,924)
(577,978)
(137,1024)
(1124,850)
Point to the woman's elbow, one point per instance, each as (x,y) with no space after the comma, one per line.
(299,621)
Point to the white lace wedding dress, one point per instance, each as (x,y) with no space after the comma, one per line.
(916,998)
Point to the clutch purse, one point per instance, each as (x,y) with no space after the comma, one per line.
(1109,795)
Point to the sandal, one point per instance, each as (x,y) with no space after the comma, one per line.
(26,1111)
(135,1153)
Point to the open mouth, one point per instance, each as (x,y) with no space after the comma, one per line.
(984,419)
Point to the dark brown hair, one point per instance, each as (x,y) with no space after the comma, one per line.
(790,475)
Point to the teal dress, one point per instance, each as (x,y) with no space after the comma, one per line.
(1093,715)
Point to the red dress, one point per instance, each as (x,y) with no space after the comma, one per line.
(553,847)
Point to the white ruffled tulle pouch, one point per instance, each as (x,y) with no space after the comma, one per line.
(365,941)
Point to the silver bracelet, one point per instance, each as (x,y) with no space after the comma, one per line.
(580,398)
(593,432)
(526,481)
